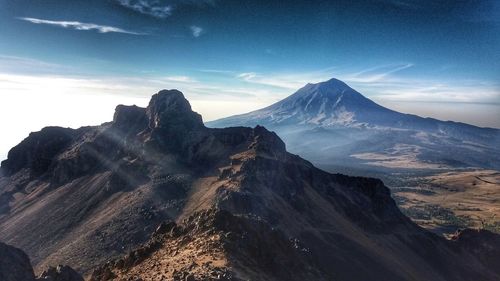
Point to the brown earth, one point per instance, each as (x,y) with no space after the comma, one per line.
(446,201)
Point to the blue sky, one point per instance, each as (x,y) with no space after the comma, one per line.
(70,62)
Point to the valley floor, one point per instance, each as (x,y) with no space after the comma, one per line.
(446,201)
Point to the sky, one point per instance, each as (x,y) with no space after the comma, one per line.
(70,62)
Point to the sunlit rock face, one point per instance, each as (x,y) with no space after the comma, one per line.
(156,193)
(172,125)
(168,110)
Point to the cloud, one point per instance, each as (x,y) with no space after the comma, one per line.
(15,64)
(182,79)
(430,90)
(159,8)
(81,26)
(247,76)
(378,73)
(383,83)
(196,31)
(289,81)
(216,71)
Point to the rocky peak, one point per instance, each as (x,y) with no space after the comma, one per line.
(37,151)
(326,96)
(332,88)
(169,110)
(172,125)
(267,143)
(125,114)
(332,84)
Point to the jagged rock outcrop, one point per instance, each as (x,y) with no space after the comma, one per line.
(171,112)
(173,127)
(223,247)
(37,151)
(230,204)
(129,119)
(15,265)
(60,273)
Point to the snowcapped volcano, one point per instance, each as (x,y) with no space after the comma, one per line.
(329,123)
(327,104)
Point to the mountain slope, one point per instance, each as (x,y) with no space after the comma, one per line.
(329,123)
(237,206)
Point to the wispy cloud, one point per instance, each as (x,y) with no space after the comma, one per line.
(182,79)
(384,83)
(15,64)
(289,81)
(431,90)
(76,25)
(196,30)
(247,76)
(378,73)
(216,71)
(160,9)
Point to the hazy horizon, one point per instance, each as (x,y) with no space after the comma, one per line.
(69,63)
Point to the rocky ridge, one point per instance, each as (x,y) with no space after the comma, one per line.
(15,265)
(237,206)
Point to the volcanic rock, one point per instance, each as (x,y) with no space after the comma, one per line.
(14,264)
(60,273)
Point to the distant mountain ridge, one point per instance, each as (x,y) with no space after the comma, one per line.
(333,103)
(340,123)
(325,104)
